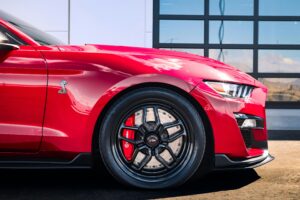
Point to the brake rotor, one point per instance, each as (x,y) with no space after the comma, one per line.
(176,146)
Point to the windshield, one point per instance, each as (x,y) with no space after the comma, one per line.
(39,36)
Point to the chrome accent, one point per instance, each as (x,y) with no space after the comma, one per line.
(245,91)
(63,89)
(240,91)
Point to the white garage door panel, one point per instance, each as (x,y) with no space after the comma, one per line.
(115,22)
(47,15)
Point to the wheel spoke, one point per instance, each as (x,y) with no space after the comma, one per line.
(161,160)
(157,119)
(172,124)
(155,136)
(176,135)
(142,130)
(160,129)
(133,128)
(145,161)
(135,142)
(144,115)
(171,152)
(135,153)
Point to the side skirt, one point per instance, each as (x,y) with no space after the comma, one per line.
(81,161)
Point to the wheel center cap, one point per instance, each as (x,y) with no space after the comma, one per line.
(152,140)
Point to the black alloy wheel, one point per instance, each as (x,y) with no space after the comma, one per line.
(152,138)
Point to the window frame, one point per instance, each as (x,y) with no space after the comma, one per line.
(206,17)
(17,40)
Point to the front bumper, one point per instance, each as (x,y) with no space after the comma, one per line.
(223,162)
(230,136)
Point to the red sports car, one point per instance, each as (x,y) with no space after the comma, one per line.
(153,118)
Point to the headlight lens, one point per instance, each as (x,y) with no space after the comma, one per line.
(231,90)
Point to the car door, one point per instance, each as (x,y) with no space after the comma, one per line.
(23,82)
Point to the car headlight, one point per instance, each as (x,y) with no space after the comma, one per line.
(230,90)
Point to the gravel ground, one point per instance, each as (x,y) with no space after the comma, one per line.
(279,179)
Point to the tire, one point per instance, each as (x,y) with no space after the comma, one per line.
(167,149)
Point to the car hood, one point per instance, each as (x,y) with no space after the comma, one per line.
(188,67)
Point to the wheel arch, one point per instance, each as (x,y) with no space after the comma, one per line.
(209,152)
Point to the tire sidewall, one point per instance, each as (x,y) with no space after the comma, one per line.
(181,105)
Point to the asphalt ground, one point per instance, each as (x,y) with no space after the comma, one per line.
(279,179)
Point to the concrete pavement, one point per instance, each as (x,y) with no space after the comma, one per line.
(279,179)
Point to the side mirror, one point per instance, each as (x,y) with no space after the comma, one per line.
(8,47)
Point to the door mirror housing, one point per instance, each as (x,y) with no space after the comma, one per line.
(8,47)
(5,49)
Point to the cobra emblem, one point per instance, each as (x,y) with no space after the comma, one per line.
(63,89)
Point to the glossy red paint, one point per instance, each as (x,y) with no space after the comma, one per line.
(129,134)
(39,119)
(23,84)
(260,134)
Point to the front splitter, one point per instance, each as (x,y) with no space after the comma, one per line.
(223,162)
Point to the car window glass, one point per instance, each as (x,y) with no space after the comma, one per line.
(3,38)
(7,37)
(36,34)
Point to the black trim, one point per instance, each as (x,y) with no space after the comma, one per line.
(155,23)
(223,162)
(255,39)
(240,117)
(283,105)
(284,134)
(227,17)
(255,18)
(81,161)
(205,45)
(206,27)
(247,133)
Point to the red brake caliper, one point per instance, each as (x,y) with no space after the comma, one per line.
(127,147)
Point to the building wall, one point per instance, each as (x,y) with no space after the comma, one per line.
(48,15)
(115,22)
